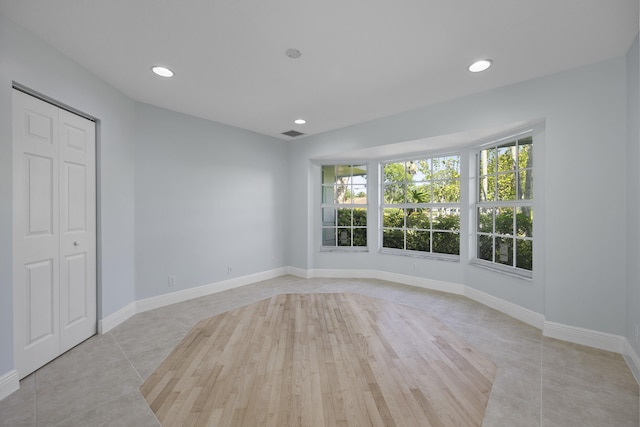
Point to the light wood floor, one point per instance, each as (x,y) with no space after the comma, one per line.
(321,360)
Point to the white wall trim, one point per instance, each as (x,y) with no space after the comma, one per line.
(513,310)
(113,320)
(632,359)
(200,291)
(588,337)
(420,282)
(9,383)
(298,272)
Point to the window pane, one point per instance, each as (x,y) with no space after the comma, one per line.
(507,186)
(525,184)
(359,237)
(419,218)
(394,193)
(328,195)
(524,221)
(393,239)
(487,161)
(487,189)
(446,167)
(344,237)
(329,174)
(359,174)
(446,191)
(328,237)
(360,194)
(342,193)
(393,172)
(507,157)
(446,219)
(418,240)
(393,217)
(420,192)
(329,216)
(485,247)
(344,217)
(411,170)
(424,170)
(504,221)
(525,153)
(524,254)
(485,220)
(446,243)
(360,217)
(504,250)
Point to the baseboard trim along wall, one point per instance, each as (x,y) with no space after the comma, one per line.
(9,383)
(632,359)
(587,337)
(163,300)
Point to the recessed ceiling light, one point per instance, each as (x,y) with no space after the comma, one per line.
(480,65)
(162,71)
(300,121)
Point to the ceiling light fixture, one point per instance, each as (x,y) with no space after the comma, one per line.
(480,65)
(300,121)
(162,71)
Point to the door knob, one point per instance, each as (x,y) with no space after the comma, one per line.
(76,243)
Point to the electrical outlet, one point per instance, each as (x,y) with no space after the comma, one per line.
(172,281)
(414,266)
(229,270)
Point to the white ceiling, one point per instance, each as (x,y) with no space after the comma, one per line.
(361,59)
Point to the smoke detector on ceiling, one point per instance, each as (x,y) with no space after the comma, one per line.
(293,53)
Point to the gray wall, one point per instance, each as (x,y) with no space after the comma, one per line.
(30,62)
(207,196)
(579,276)
(633,195)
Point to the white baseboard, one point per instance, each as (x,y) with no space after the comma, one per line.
(513,310)
(113,320)
(420,282)
(9,383)
(298,272)
(588,337)
(200,291)
(633,359)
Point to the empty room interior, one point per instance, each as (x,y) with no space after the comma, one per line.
(304,213)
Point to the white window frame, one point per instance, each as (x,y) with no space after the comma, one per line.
(511,204)
(335,205)
(430,205)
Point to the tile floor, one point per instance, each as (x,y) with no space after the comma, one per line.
(539,382)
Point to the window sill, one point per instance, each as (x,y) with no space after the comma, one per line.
(497,268)
(424,255)
(345,249)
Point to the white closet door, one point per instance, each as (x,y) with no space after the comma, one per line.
(77,229)
(54,286)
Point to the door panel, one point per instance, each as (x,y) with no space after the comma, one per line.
(54,232)
(35,232)
(39,195)
(39,287)
(78,230)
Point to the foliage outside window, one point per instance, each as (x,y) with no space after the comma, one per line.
(421,205)
(344,206)
(505,204)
